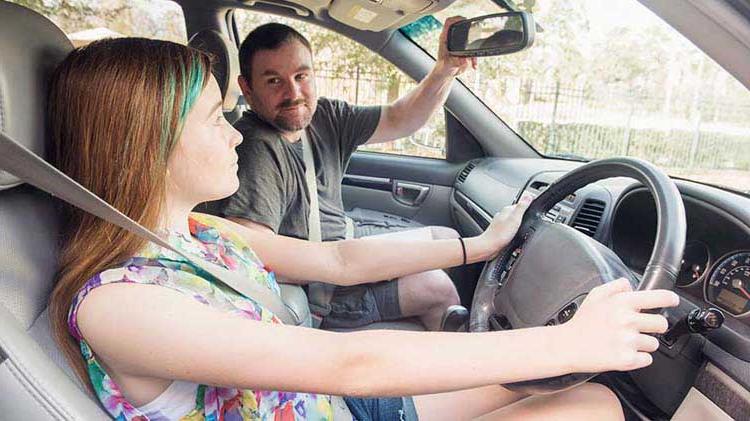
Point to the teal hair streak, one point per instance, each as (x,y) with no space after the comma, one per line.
(191,82)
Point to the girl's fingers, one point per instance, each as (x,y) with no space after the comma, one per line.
(642,359)
(651,323)
(646,343)
(657,298)
(611,288)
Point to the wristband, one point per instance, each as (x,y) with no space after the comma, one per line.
(463,249)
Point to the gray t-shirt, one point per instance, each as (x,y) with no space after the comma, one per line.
(272,189)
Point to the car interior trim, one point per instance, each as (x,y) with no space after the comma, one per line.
(698,407)
(724,392)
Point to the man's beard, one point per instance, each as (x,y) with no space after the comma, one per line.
(292,124)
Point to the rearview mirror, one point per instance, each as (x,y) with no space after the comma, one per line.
(492,35)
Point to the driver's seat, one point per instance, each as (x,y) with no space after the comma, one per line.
(35,380)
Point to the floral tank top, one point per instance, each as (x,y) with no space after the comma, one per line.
(217,243)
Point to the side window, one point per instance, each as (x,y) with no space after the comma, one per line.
(349,71)
(85,21)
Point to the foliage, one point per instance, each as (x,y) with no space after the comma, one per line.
(161,19)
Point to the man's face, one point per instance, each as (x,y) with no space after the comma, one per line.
(282,86)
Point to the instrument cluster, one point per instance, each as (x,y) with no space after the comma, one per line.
(716,260)
(728,284)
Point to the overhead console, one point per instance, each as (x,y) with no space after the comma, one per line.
(377,15)
(366,15)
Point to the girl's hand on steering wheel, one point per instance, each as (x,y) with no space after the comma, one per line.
(504,226)
(609,331)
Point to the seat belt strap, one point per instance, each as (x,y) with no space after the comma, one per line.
(349,228)
(320,293)
(24,164)
(311,180)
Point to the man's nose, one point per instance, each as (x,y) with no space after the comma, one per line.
(294,90)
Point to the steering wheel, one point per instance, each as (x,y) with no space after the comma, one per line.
(546,271)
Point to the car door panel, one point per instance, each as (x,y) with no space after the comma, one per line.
(410,187)
(433,210)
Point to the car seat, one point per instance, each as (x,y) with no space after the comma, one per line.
(35,380)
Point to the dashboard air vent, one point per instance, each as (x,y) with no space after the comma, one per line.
(465,172)
(588,218)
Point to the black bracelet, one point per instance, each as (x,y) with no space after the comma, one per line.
(463,249)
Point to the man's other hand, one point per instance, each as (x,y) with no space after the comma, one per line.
(449,64)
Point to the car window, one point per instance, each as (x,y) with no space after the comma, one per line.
(346,70)
(88,20)
(610,78)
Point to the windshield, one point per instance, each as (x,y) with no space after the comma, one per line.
(608,79)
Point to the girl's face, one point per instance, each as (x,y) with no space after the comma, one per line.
(203,165)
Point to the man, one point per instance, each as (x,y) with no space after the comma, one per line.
(278,82)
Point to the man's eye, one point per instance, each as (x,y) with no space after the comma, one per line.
(274,81)
(302,76)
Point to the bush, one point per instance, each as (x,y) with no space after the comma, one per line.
(668,148)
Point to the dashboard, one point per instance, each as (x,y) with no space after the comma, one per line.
(620,213)
(716,260)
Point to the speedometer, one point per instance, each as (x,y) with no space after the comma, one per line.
(729,284)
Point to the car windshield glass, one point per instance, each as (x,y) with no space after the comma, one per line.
(608,79)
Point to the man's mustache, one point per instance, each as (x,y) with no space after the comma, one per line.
(292,103)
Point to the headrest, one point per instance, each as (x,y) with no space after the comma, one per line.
(226,66)
(30,48)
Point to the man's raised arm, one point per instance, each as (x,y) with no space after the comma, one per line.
(410,112)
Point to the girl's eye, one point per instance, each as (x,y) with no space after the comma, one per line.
(219,118)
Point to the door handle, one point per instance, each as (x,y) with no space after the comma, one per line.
(410,194)
(363,181)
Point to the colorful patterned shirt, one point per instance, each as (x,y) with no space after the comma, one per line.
(213,240)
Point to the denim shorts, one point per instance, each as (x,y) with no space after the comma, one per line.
(360,305)
(382,409)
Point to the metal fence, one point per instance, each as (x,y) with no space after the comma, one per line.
(681,131)
(677,131)
(367,88)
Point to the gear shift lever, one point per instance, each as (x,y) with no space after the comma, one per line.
(455,319)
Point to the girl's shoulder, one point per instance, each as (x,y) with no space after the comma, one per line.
(214,229)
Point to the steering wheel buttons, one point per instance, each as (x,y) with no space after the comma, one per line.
(567,313)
